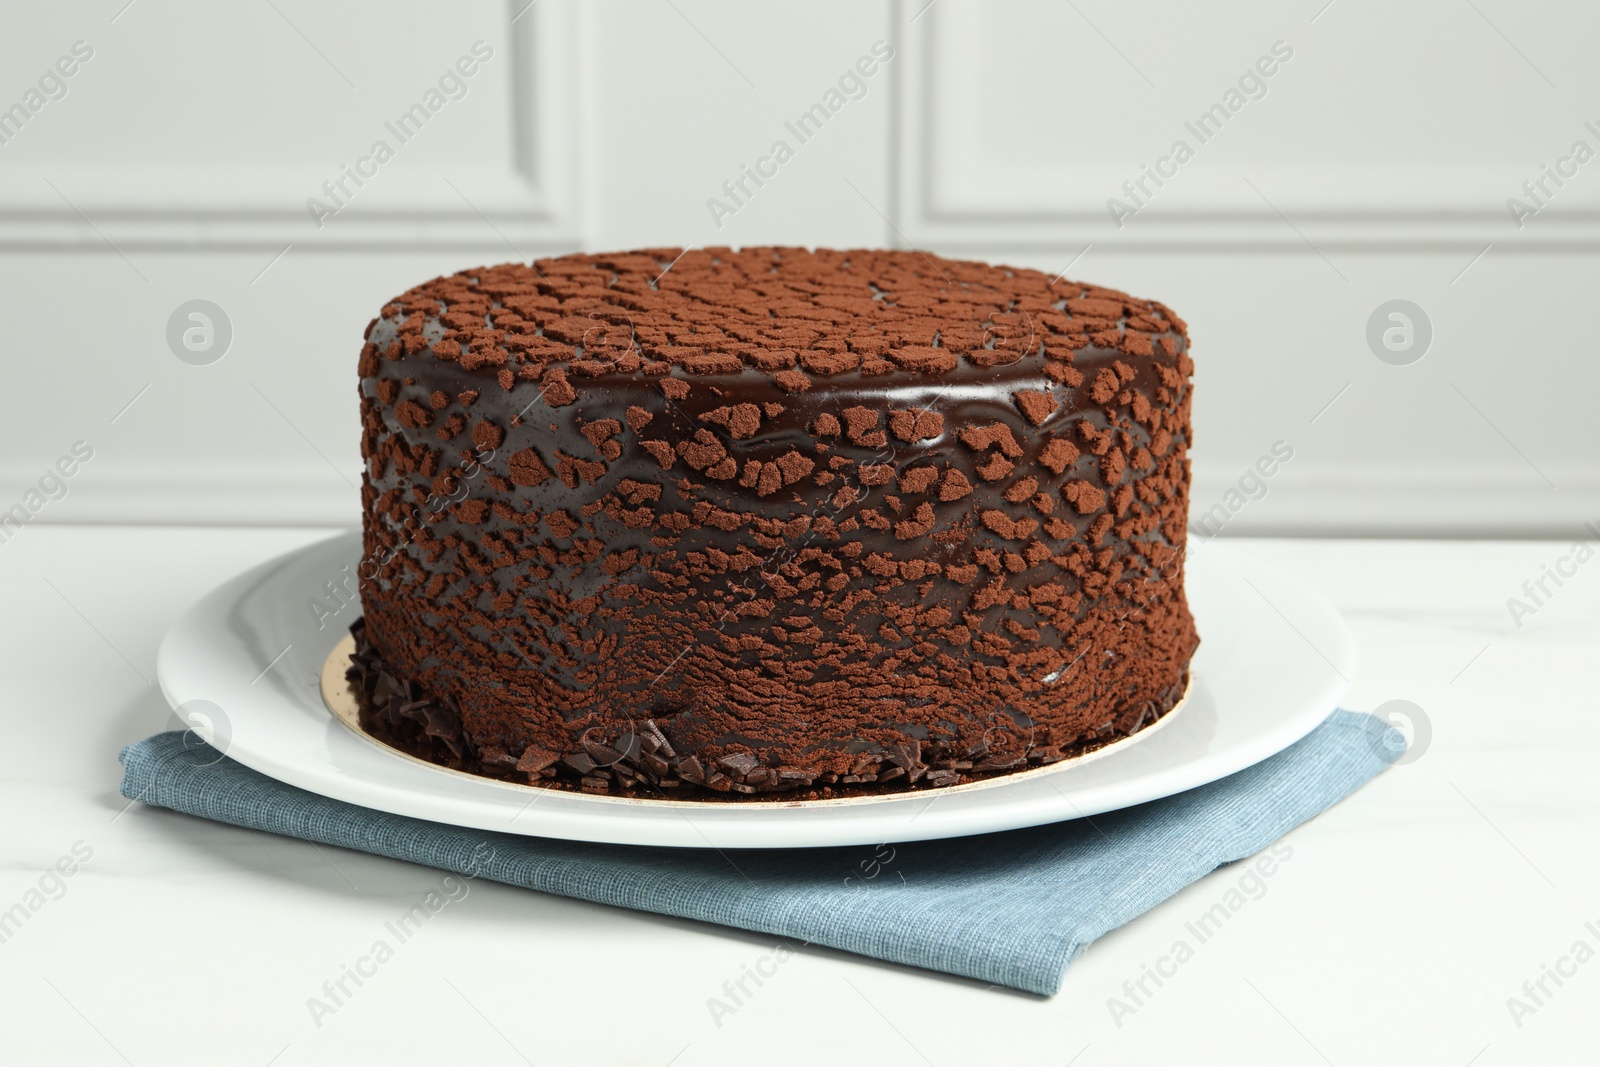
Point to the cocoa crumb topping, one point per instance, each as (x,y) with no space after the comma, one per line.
(775,520)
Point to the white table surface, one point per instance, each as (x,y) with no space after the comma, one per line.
(1404,920)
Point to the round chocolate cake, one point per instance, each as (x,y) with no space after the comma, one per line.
(769,523)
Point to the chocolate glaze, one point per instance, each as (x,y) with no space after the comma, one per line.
(824,519)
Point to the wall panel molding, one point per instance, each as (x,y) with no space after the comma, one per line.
(959,187)
(210,203)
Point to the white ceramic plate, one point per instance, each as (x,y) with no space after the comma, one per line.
(243,666)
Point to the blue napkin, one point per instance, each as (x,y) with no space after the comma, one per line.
(1011,908)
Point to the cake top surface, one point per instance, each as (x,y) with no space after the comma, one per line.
(795,314)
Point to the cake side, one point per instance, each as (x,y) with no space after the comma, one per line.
(801,519)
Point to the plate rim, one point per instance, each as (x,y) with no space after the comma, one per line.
(593,819)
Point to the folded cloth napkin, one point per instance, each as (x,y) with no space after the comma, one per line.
(1011,908)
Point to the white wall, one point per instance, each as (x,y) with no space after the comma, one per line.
(1377,165)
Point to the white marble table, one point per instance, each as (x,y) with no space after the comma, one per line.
(1404,920)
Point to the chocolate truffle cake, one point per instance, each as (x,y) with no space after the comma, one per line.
(769,523)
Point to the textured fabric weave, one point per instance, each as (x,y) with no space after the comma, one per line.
(1010,908)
